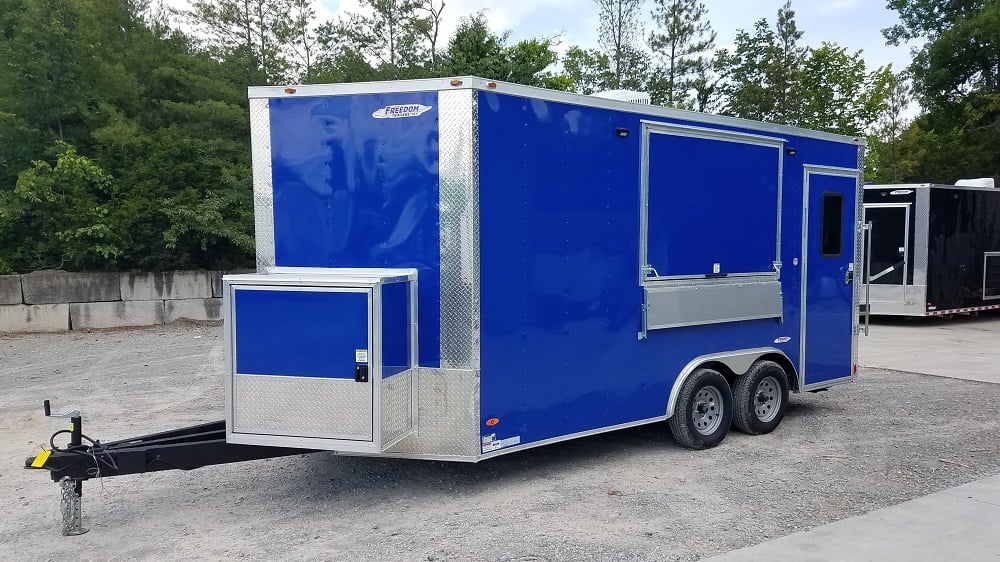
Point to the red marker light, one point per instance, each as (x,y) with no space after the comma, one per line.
(289,90)
(456,82)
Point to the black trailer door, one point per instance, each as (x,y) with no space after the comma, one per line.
(889,259)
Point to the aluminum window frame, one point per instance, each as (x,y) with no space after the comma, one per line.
(650,128)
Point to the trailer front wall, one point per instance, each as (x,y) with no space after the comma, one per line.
(560,293)
(356,184)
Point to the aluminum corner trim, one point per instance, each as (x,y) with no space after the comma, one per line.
(458,163)
(263,186)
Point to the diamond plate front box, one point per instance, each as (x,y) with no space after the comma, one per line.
(321,358)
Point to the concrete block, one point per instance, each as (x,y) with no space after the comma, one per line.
(115,314)
(192,309)
(166,285)
(217,279)
(10,289)
(34,318)
(48,287)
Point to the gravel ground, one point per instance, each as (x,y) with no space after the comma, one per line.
(628,495)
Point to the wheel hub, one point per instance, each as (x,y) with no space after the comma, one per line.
(706,415)
(767,399)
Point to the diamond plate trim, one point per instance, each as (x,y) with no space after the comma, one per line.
(447,415)
(921,242)
(458,163)
(302,407)
(859,253)
(397,413)
(263,188)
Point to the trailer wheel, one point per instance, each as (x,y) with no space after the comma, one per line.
(760,397)
(704,410)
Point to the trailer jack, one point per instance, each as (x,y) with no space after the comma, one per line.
(84,458)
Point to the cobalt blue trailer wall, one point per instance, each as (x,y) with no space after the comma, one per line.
(353,187)
(561,301)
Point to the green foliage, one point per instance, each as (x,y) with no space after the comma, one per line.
(618,31)
(478,51)
(759,78)
(681,40)
(956,77)
(147,163)
(60,216)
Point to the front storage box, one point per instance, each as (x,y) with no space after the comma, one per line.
(321,358)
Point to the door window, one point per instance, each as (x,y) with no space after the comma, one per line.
(831,235)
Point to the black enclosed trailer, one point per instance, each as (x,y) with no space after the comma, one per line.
(932,249)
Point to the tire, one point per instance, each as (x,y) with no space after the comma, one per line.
(760,398)
(704,410)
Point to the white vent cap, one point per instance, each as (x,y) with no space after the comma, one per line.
(624,95)
(979,182)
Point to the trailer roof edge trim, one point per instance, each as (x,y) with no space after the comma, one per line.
(476,83)
(929,186)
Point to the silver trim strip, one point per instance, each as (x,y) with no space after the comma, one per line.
(263,186)
(476,83)
(711,134)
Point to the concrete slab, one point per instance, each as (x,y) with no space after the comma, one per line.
(217,279)
(16,318)
(51,287)
(961,523)
(962,348)
(10,289)
(166,285)
(192,309)
(115,314)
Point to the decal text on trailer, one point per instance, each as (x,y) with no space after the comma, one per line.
(398,111)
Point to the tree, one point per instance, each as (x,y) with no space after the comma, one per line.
(476,50)
(836,93)
(430,28)
(760,77)
(681,38)
(956,77)
(617,33)
(885,141)
(301,42)
(252,33)
(745,78)
(784,64)
(389,34)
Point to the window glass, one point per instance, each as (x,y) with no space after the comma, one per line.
(831,234)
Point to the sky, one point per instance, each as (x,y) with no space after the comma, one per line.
(855,24)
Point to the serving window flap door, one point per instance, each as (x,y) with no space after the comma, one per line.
(710,226)
(828,274)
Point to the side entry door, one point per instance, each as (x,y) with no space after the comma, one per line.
(828,289)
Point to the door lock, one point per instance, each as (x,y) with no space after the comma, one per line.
(361,373)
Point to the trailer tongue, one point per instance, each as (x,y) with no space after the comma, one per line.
(84,458)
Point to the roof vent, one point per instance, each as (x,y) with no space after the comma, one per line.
(624,95)
(980,182)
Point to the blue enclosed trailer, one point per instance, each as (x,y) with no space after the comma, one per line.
(459,268)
